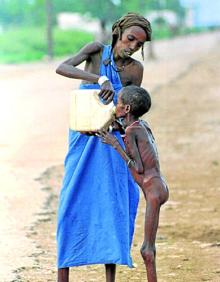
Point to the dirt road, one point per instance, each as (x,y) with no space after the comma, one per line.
(186,121)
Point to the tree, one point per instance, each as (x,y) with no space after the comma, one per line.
(105,11)
(49,13)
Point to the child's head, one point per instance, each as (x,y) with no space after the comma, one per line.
(134,100)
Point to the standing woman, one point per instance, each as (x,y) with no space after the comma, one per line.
(99,198)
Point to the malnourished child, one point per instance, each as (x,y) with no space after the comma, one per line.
(142,159)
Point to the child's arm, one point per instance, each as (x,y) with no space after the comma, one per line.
(132,148)
(110,139)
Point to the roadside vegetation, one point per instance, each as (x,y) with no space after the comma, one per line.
(28,44)
(20,45)
(29,31)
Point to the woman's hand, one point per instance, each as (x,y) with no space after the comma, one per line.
(107,92)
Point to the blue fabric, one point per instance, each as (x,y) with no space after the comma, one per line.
(98,200)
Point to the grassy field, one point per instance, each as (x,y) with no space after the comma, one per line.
(28,44)
(19,45)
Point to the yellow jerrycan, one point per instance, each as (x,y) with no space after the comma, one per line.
(87,111)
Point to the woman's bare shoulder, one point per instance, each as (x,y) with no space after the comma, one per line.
(137,70)
(137,65)
(92,48)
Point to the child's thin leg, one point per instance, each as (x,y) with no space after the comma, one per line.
(148,250)
(63,275)
(110,270)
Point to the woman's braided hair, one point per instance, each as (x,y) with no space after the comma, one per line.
(131,19)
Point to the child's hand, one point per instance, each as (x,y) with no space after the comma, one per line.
(108,138)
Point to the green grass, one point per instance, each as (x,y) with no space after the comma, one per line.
(163,31)
(20,45)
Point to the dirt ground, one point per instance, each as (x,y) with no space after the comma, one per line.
(185,118)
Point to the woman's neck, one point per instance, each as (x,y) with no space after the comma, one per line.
(119,61)
(115,54)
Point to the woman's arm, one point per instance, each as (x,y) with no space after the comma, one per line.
(69,69)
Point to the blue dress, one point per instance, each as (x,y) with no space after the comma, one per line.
(99,198)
